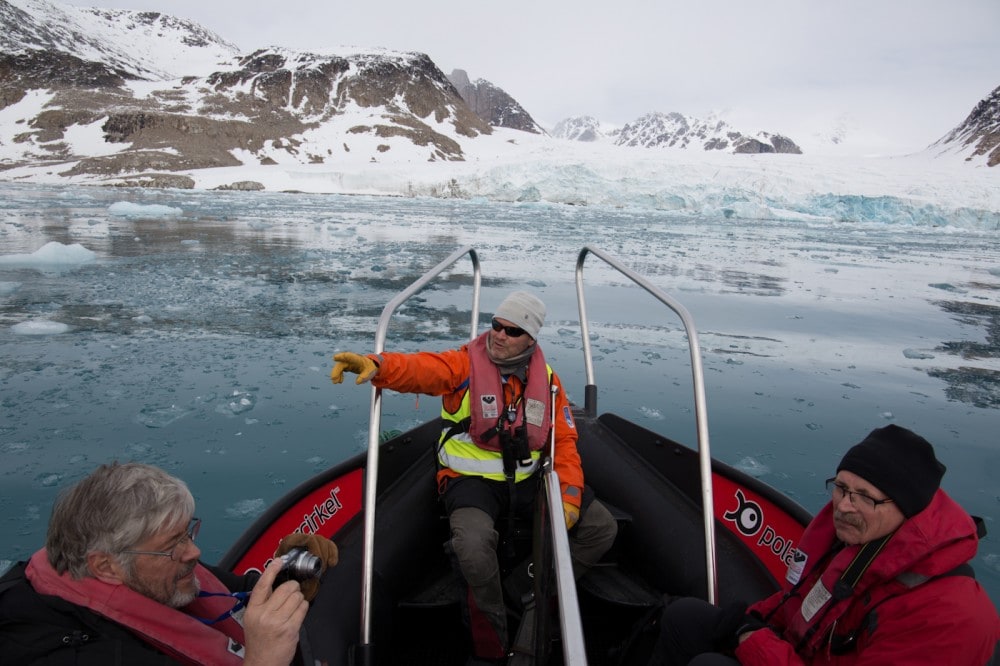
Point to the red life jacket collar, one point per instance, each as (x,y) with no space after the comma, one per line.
(175,632)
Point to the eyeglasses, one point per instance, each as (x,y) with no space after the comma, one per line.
(511,331)
(187,537)
(838,490)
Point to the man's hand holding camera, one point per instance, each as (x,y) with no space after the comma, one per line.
(280,599)
(305,558)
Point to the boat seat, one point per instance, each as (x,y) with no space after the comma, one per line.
(444,587)
(609,583)
(442,590)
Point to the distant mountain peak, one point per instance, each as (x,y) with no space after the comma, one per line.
(675,130)
(978,135)
(493,104)
(581,128)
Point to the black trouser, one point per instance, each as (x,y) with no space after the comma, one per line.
(687,635)
(474,505)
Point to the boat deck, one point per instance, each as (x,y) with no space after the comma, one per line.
(659,550)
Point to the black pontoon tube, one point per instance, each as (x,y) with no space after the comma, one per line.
(700,409)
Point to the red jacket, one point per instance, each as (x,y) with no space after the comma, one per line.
(913,617)
(444,373)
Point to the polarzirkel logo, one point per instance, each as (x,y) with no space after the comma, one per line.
(749,520)
(321,512)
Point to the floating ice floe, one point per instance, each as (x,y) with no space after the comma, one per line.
(246,508)
(128,209)
(39,327)
(52,255)
(752,467)
(160,417)
(238,403)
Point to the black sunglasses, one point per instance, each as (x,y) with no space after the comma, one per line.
(511,331)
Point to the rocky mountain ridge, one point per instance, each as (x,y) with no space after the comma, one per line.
(83,107)
(493,104)
(979,133)
(123,41)
(674,130)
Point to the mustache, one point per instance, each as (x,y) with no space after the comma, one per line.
(847,518)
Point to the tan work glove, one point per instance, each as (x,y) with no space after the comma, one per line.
(571,513)
(319,546)
(362,366)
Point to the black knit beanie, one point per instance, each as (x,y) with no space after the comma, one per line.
(898,462)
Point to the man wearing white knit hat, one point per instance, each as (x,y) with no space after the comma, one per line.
(496,409)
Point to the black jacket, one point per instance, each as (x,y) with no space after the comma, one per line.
(46,630)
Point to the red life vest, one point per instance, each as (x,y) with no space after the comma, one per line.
(175,632)
(486,399)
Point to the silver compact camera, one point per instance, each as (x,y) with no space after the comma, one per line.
(300,565)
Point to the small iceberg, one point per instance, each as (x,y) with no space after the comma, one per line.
(126,209)
(39,327)
(52,255)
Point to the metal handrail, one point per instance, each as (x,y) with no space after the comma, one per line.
(573,646)
(700,410)
(572,632)
(375,421)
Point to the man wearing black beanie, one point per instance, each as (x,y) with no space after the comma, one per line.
(900,463)
(880,576)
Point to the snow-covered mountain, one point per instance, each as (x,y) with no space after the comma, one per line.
(142,98)
(135,97)
(132,44)
(673,130)
(978,137)
(580,128)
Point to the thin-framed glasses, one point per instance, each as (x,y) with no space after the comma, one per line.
(838,490)
(511,331)
(188,536)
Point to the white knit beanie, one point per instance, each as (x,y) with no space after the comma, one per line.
(524,311)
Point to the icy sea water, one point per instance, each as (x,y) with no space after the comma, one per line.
(194,331)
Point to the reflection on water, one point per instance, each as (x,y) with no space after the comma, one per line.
(201,341)
(755,284)
(974,314)
(977,386)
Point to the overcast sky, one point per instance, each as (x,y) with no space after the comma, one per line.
(899,73)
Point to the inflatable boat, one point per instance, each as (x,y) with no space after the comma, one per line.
(688,525)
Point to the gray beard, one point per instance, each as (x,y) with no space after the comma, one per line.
(178,599)
(182,599)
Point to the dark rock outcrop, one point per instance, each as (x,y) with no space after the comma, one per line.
(493,104)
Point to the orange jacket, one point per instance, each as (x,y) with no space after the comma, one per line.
(443,373)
